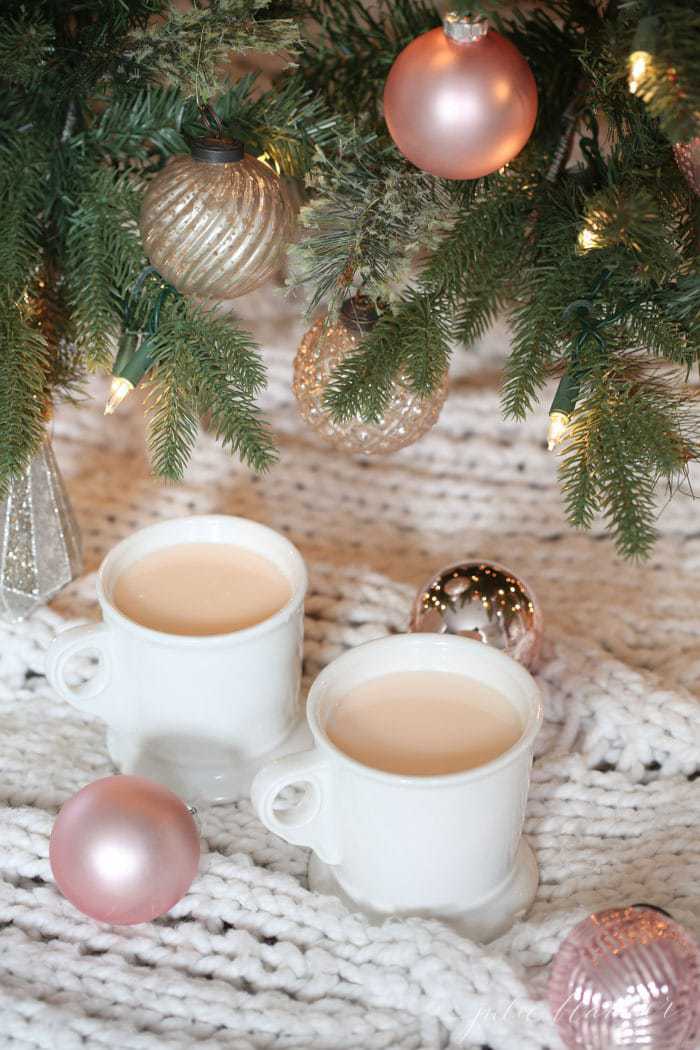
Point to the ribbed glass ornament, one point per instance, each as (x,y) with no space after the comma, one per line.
(627,977)
(687,156)
(216,230)
(407,416)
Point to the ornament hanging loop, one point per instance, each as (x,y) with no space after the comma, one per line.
(212,119)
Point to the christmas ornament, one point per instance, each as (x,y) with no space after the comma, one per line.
(124,850)
(687,156)
(485,601)
(216,224)
(40,538)
(461,101)
(407,416)
(627,977)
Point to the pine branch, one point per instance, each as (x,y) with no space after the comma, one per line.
(25,47)
(93,100)
(630,431)
(288,123)
(204,364)
(135,125)
(189,47)
(350,48)
(366,225)
(494,211)
(630,216)
(412,341)
(104,255)
(22,174)
(671,86)
(173,412)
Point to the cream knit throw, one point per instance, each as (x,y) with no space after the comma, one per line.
(251,959)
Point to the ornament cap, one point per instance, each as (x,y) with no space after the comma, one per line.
(464,29)
(359,313)
(217,151)
(654,907)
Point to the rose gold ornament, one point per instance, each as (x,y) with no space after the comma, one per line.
(460,102)
(485,601)
(216,224)
(687,156)
(324,347)
(124,850)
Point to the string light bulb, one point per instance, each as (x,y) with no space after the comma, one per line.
(558,429)
(641,60)
(562,408)
(135,353)
(118,390)
(638,66)
(589,237)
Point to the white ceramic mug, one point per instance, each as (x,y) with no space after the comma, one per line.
(199,714)
(447,846)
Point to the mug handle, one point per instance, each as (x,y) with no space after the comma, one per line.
(73,642)
(310,822)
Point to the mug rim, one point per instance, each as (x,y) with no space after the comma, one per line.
(242,635)
(531,727)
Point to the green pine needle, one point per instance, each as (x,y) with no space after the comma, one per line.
(94,103)
(204,365)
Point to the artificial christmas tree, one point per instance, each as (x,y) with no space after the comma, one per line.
(593,261)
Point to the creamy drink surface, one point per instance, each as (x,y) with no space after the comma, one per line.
(201,589)
(423,723)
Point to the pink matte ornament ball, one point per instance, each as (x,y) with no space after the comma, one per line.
(124,850)
(627,977)
(459,108)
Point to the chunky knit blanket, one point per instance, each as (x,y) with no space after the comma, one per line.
(250,958)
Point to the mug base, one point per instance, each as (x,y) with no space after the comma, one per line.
(198,783)
(483,922)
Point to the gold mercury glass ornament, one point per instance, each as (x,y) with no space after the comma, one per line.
(216,224)
(324,347)
(485,601)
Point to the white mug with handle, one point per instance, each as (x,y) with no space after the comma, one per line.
(197,713)
(447,846)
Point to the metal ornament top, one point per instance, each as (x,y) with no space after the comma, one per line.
(464,29)
(217,151)
(359,314)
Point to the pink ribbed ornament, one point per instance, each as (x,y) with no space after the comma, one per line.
(627,977)
(687,156)
(124,850)
(460,102)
